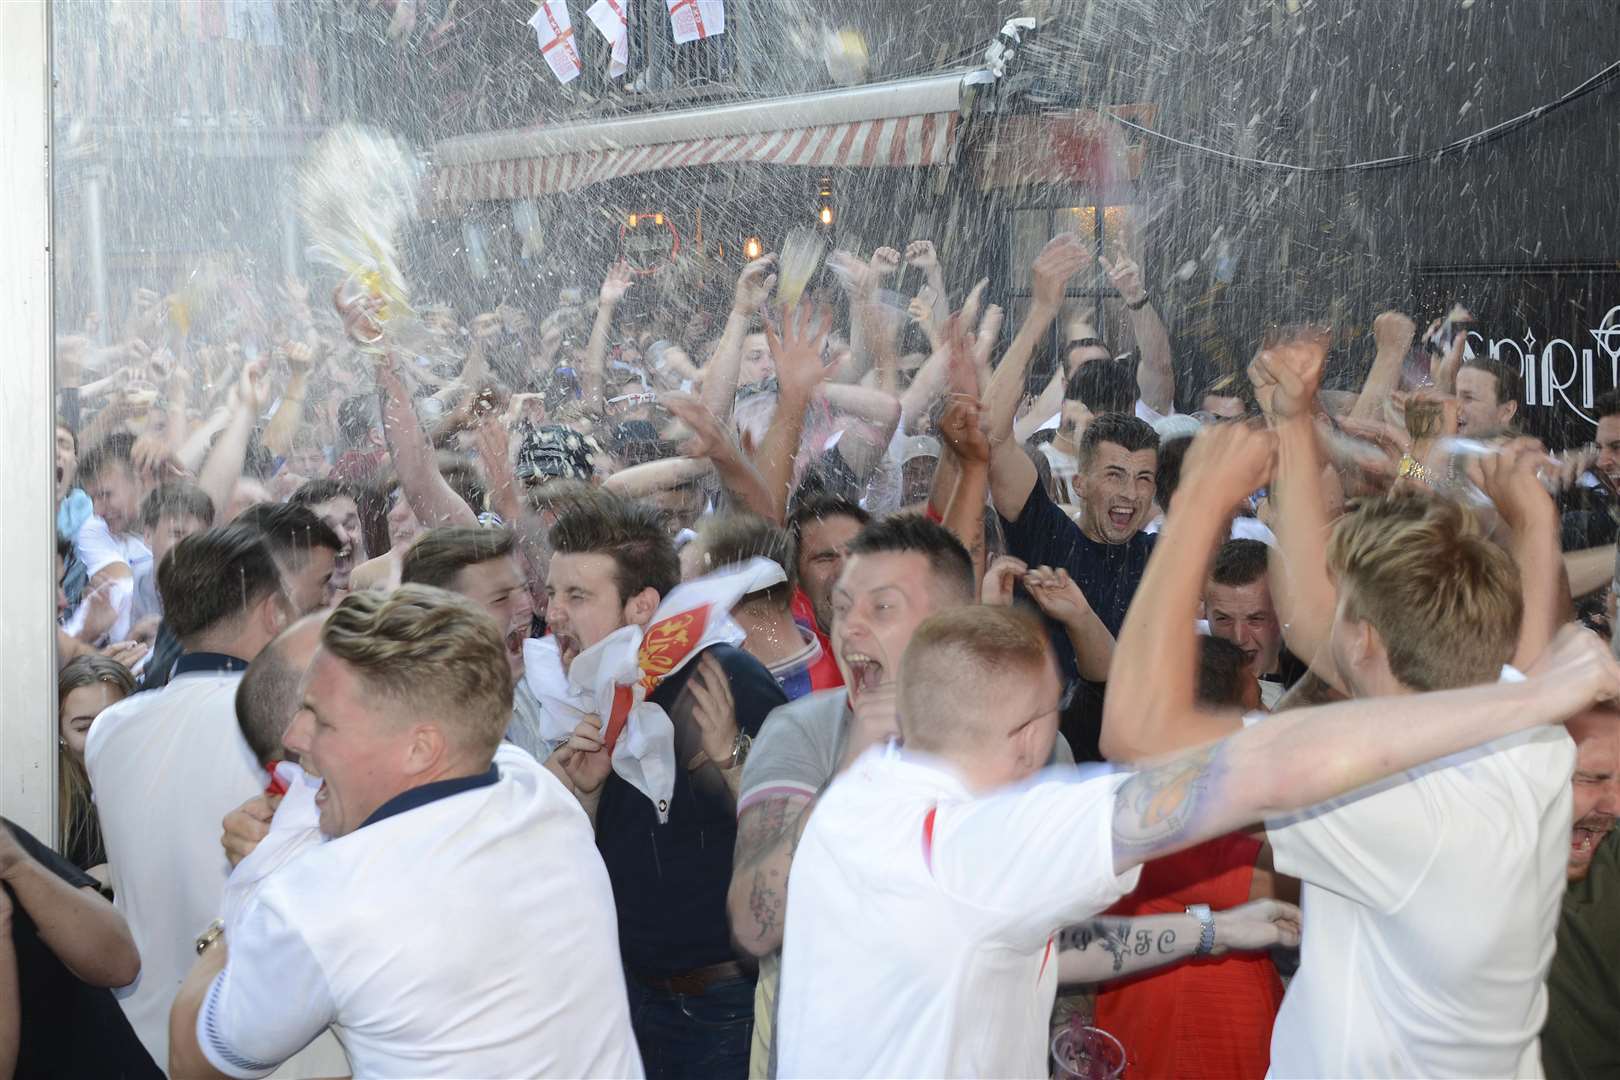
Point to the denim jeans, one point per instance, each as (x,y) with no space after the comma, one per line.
(694,1036)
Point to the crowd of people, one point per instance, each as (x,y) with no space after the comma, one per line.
(749,693)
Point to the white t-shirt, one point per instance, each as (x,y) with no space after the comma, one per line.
(471,935)
(99,549)
(920,918)
(166,767)
(1430,906)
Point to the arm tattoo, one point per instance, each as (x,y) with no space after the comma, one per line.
(762,829)
(1111,935)
(1118,938)
(1158,808)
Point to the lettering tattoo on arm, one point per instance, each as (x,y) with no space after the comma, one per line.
(1156,810)
(1118,938)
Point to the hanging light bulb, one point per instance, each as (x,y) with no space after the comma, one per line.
(752,248)
(658,218)
(826,215)
(633,219)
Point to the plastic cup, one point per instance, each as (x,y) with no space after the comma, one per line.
(1087,1053)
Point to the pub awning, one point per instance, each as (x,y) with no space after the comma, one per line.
(908,123)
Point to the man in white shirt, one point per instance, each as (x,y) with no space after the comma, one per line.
(109,543)
(932,883)
(1432,903)
(166,766)
(413,930)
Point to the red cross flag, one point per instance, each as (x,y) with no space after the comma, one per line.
(556,33)
(608,15)
(694,20)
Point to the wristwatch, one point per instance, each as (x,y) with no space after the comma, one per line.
(1206,919)
(215,931)
(740,746)
(1140,304)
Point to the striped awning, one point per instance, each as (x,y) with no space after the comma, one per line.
(897,125)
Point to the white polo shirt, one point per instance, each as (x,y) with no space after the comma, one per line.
(166,766)
(920,918)
(1430,907)
(467,929)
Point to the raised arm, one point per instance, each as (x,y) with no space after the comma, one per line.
(711,442)
(1151,707)
(1297,759)
(223,468)
(1392,333)
(720,374)
(1509,478)
(1589,569)
(1155,375)
(964,515)
(799,371)
(1285,380)
(614,286)
(284,423)
(432,499)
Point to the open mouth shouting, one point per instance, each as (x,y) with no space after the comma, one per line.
(1587,834)
(865,672)
(1120,517)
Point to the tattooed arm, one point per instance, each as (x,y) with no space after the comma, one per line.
(768,832)
(1113,948)
(1294,760)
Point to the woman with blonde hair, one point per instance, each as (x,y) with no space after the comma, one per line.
(85,687)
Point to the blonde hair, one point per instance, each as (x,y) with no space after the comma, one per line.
(438,655)
(1444,600)
(948,660)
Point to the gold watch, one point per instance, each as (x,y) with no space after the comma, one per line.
(215,931)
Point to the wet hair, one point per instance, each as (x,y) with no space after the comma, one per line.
(465,480)
(1104,386)
(1607,405)
(631,533)
(1128,432)
(1239,563)
(176,498)
(358,416)
(77,823)
(438,555)
(948,560)
(213,577)
(290,530)
(1222,669)
(313,493)
(1509,383)
(819,506)
(115,449)
(1172,452)
(732,539)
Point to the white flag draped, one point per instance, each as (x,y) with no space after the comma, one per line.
(611,679)
(608,17)
(556,33)
(694,20)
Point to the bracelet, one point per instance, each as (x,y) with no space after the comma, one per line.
(1140,304)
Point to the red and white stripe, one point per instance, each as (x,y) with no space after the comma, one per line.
(898,142)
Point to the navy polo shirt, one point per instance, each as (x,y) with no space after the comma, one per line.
(1108,574)
(670,880)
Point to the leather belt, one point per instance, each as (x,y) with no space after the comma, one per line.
(694,983)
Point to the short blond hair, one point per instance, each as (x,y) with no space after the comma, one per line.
(950,657)
(437,655)
(1444,599)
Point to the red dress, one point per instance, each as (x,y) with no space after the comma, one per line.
(1201,1018)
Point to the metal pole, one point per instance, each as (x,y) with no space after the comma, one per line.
(27,483)
(290,262)
(95,244)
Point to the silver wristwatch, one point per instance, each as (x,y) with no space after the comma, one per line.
(740,746)
(1206,920)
